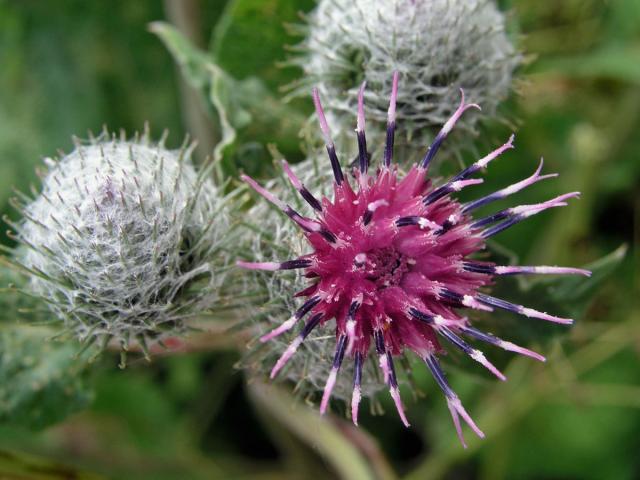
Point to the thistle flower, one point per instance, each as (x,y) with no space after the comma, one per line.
(439,46)
(124,243)
(392,262)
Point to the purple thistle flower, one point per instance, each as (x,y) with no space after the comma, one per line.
(392,263)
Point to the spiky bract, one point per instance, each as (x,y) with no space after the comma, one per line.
(438,46)
(124,241)
(393,263)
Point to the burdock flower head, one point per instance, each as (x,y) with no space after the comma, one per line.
(124,241)
(392,262)
(438,46)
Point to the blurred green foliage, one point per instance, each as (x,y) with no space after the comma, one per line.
(72,65)
(41,380)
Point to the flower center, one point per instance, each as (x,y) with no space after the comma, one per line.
(385,267)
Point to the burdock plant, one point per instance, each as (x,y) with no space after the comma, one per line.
(438,46)
(125,242)
(392,262)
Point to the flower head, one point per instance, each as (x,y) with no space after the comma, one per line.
(439,46)
(392,262)
(119,238)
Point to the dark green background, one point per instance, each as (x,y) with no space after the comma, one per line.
(68,66)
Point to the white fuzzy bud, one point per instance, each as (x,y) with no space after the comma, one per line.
(437,46)
(122,241)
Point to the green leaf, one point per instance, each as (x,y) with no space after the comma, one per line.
(41,381)
(22,466)
(573,292)
(568,295)
(221,95)
(248,114)
(191,61)
(260,23)
(334,445)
